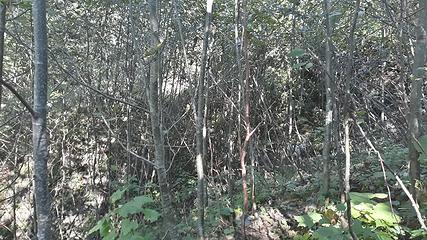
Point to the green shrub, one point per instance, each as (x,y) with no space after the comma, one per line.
(120,222)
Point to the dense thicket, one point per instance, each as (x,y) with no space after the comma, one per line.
(156,109)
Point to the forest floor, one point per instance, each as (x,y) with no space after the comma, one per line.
(275,223)
(273,218)
(289,207)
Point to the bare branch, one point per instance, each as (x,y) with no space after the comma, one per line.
(125,148)
(19,96)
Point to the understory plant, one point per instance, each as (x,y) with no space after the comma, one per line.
(128,220)
(372,219)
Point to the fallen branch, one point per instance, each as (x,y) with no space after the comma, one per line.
(402,185)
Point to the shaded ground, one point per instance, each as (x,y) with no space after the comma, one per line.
(272,221)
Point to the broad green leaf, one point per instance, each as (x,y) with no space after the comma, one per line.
(362,231)
(421,145)
(422,158)
(360,209)
(129,208)
(226,211)
(26,4)
(355,213)
(382,211)
(127,227)
(418,233)
(146,236)
(110,235)
(134,206)
(299,65)
(297,52)
(302,237)
(308,220)
(117,195)
(384,235)
(308,65)
(360,113)
(380,195)
(106,228)
(143,200)
(360,120)
(97,227)
(150,214)
(357,197)
(328,233)
(103,226)
(134,237)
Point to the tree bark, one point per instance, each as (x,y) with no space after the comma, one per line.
(200,126)
(418,75)
(245,93)
(153,89)
(401,51)
(349,77)
(2,30)
(40,138)
(328,105)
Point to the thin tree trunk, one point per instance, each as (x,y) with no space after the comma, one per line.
(401,51)
(230,153)
(237,45)
(152,89)
(252,158)
(2,30)
(16,173)
(200,126)
(349,77)
(335,135)
(419,74)
(328,105)
(129,62)
(40,139)
(205,142)
(290,106)
(245,88)
(383,81)
(291,75)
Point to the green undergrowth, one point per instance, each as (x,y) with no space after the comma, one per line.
(377,214)
(127,220)
(373,217)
